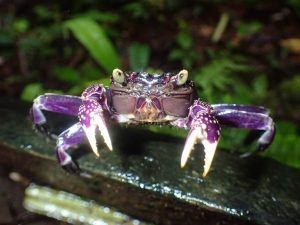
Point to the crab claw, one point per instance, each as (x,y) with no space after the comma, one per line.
(91,117)
(204,128)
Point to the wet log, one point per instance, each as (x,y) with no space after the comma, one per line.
(142,176)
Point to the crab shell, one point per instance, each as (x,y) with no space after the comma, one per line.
(152,98)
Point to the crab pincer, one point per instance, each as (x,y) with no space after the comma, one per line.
(91,116)
(204,127)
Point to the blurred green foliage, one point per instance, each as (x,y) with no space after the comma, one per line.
(139,55)
(250,27)
(183,51)
(64,49)
(31,91)
(285,147)
(93,37)
(218,79)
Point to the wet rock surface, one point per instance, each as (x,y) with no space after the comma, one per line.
(142,176)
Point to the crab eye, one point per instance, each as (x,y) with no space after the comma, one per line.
(118,76)
(182,77)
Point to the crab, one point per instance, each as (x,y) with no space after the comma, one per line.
(144,98)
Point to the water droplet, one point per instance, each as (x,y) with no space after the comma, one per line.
(178,193)
(149,159)
(166,189)
(216,191)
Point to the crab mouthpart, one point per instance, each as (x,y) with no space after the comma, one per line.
(209,148)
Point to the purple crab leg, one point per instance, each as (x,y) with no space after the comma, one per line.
(247,108)
(65,104)
(255,120)
(67,139)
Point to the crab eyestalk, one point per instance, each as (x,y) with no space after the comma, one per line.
(182,77)
(118,76)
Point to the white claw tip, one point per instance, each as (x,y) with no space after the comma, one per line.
(189,145)
(109,145)
(91,136)
(103,130)
(182,162)
(97,153)
(209,149)
(205,172)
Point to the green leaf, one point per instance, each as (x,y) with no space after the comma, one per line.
(31,91)
(184,40)
(90,72)
(104,81)
(137,10)
(176,54)
(93,37)
(290,87)
(260,86)
(285,147)
(248,28)
(67,74)
(43,12)
(21,25)
(76,89)
(139,56)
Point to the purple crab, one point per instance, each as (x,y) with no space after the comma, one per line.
(143,98)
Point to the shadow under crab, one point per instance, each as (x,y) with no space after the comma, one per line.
(143,98)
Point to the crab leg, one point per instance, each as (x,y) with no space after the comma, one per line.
(65,104)
(91,116)
(67,139)
(251,119)
(247,108)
